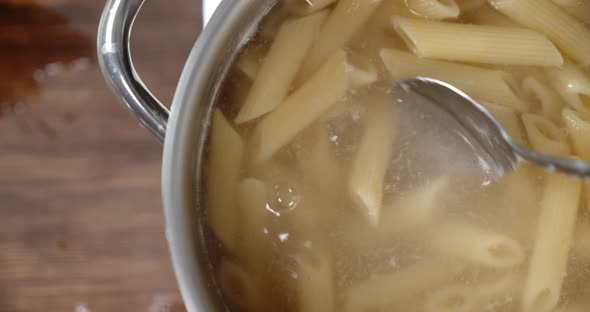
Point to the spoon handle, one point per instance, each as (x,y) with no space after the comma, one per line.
(573,167)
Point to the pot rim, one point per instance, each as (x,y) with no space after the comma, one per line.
(211,56)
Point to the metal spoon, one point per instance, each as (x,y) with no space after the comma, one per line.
(500,152)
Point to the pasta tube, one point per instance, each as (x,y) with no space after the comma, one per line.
(486,15)
(372,160)
(578,126)
(537,92)
(475,244)
(362,71)
(545,136)
(477,43)
(301,108)
(385,289)
(480,83)
(413,210)
(434,9)
(381,18)
(407,213)
(345,20)
(519,197)
(573,86)
(251,200)
(578,8)
(315,281)
(470,5)
(249,62)
(559,207)
(581,240)
(507,285)
(459,297)
(318,162)
(569,34)
(225,160)
(453,298)
(280,66)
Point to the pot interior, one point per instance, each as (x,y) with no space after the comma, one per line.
(317,188)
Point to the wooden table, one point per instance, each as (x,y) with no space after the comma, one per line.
(81,225)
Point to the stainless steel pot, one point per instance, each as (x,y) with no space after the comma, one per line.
(184,129)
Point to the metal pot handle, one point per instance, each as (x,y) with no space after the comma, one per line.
(114,56)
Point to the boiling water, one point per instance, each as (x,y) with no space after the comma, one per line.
(449,238)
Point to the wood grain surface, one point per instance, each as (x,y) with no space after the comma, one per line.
(81,225)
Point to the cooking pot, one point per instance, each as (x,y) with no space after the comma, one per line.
(183,129)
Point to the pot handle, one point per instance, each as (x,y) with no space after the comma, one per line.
(114,56)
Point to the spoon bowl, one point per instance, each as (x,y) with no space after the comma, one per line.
(499,151)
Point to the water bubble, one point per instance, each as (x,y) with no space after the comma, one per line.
(285,196)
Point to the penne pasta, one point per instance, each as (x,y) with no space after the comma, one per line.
(381,18)
(460,297)
(470,5)
(407,213)
(581,239)
(545,136)
(578,126)
(225,160)
(249,62)
(315,281)
(362,72)
(482,84)
(548,100)
(547,269)
(508,118)
(378,293)
(413,210)
(452,298)
(251,199)
(486,15)
(373,42)
(434,9)
(280,66)
(322,181)
(301,108)
(573,85)
(477,43)
(510,284)
(344,21)
(305,7)
(372,160)
(318,162)
(270,25)
(475,244)
(577,8)
(569,34)
(521,193)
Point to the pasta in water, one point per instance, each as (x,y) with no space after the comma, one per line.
(326,190)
